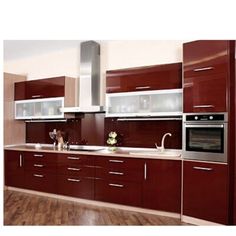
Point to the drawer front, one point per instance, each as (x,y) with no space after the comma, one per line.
(40,165)
(121,192)
(40,181)
(81,187)
(119,163)
(120,174)
(40,157)
(73,159)
(76,170)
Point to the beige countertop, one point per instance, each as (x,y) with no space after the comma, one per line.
(149,153)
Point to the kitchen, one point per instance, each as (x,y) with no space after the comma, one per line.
(168,113)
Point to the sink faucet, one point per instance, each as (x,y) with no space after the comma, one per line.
(162,147)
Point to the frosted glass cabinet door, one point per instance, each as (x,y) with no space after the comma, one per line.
(47,108)
(145,103)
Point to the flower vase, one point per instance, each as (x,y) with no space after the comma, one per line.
(112,148)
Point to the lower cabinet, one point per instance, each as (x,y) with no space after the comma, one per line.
(162,185)
(14,169)
(205,191)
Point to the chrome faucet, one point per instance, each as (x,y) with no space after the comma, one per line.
(162,147)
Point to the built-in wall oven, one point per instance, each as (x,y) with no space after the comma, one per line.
(205,136)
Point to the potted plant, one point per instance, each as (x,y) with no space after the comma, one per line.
(112,141)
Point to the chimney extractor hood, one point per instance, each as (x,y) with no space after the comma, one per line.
(89,82)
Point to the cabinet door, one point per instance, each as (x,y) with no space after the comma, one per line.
(205,191)
(14,168)
(162,185)
(167,76)
(43,88)
(206,71)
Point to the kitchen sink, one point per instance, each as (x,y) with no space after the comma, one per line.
(85,148)
(156,153)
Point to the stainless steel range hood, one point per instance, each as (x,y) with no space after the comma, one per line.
(89,82)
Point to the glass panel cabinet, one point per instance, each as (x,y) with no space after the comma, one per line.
(145,103)
(46,108)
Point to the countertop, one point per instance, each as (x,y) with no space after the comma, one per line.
(149,153)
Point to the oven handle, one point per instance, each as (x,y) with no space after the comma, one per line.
(203,126)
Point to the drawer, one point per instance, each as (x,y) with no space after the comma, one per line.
(73,159)
(76,186)
(40,157)
(120,192)
(119,163)
(121,174)
(40,165)
(40,181)
(76,170)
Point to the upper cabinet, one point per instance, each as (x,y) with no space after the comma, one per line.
(166,76)
(206,73)
(42,99)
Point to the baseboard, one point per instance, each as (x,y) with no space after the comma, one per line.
(97,203)
(196,221)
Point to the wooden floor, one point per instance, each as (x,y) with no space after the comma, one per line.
(27,209)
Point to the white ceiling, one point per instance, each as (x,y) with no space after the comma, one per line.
(16,49)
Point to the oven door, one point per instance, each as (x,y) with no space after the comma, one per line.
(205,142)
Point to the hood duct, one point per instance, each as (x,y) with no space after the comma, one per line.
(89,82)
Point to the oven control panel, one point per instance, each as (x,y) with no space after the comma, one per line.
(205,117)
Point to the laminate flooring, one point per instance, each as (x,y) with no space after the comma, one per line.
(28,209)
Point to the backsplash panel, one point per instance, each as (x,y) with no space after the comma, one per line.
(146,133)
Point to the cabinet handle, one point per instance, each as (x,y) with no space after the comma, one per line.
(73,180)
(71,168)
(36,96)
(145,171)
(117,185)
(38,176)
(117,161)
(21,160)
(38,165)
(115,173)
(73,158)
(143,87)
(203,106)
(38,155)
(204,68)
(202,168)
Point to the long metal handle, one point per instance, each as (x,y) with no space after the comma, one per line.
(72,168)
(117,185)
(39,176)
(73,180)
(117,161)
(73,158)
(203,126)
(115,173)
(143,87)
(21,162)
(36,96)
(202,168)
(204,106)
(204,68)
(149,118)
(38,165)
(38,155)
(145,171)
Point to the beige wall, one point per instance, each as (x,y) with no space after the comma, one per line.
(114,55)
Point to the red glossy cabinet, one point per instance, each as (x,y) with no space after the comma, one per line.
(166,76)
(206,75)
(75,176)
(162,185)
(40,171)
(205,191)
(46,88)
(14,168)
(119,180)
